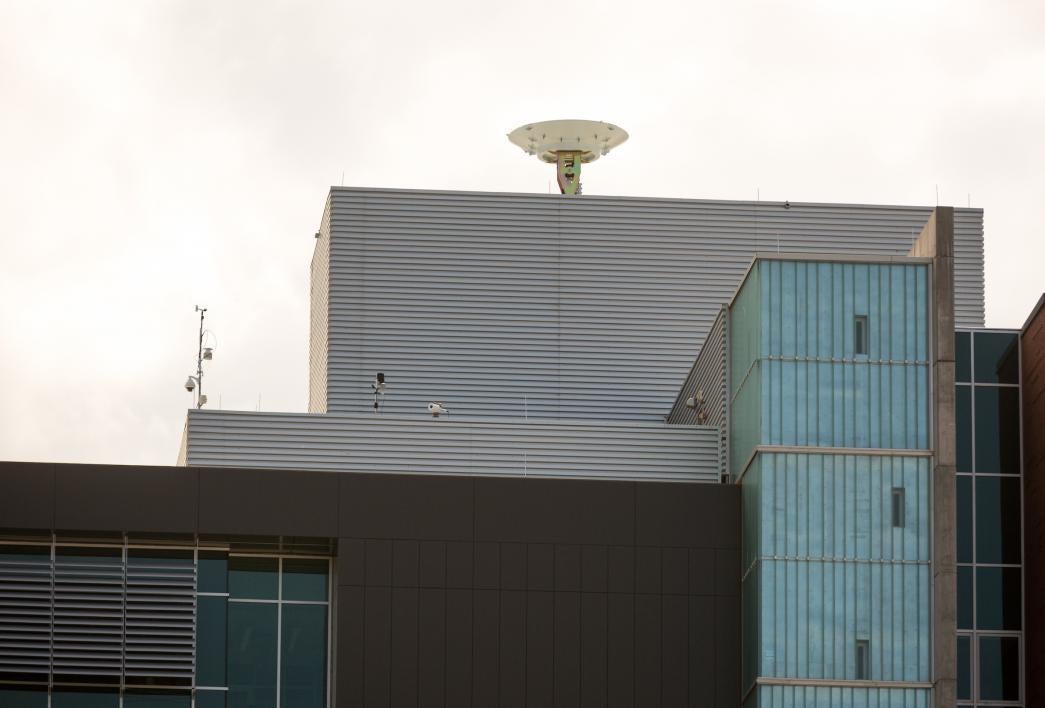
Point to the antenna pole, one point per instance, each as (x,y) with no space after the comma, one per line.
(199,360)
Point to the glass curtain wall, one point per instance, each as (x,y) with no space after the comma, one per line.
(263,627)
(990,526)
(111,625)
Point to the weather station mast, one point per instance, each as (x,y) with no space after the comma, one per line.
(568,144)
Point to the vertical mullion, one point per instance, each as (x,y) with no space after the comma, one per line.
(279,628)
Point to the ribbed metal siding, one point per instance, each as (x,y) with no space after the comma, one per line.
(647,451)
(577,308)
(25,615)
(708,376)
(85,618)
(160,620)
(318,323)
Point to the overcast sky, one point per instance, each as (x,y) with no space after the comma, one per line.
(155,155)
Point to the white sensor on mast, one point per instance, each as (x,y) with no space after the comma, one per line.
(568,144)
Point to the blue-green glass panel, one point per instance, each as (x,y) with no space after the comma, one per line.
(964,504)
(965,596)
(305,579)
(254,578)
(998,520)
(999,598)
(85,698)
(156,699)
(996,357)
(252,651)
(963,423)
(303,681)
(23,697)
(213,571)
(211,632)
(964,667)
(210,699)
(962,357)
(997,432)
(999,669)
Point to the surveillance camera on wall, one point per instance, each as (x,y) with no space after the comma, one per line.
(436,408)
(379,383)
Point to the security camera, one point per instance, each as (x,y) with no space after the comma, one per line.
(379,383)
(436,408)
(208,353)
(190,384)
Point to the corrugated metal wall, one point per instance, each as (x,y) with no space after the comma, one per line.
(319,300)
(384,443)
(579,308)
(707,378)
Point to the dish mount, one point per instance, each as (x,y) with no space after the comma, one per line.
(568,144)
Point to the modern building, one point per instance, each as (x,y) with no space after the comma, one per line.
(694,453)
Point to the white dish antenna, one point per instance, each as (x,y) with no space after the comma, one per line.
(568,144)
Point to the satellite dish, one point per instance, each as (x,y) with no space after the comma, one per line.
(568,144)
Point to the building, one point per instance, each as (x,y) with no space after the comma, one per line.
(696,453)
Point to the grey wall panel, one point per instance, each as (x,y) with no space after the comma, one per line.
(500,304)
(383,443)
(125,498)
(706,378)
(319,301)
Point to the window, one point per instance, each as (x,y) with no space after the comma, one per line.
(862,660)
(999,669)
(898,507)
(964,667)
(860,334)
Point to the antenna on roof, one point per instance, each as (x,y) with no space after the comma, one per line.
(567,144)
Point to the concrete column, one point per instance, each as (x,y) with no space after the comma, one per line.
(936,241)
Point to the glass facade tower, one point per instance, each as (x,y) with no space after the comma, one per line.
(990,528)
(830,441)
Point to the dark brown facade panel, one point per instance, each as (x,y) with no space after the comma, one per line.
(551,613)
(674,632)
(554,511)
(268,502)
(459,652)
(1032,342)
(406,506)
(693,515)
(377,647)
(126,498)
(512,642)
(594,649)
(702,651)
(727,651)
(486,649)
(404,647)
(431,649)
(567,649)
(540,648)
(350,655)
(27,496)
(620,658)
